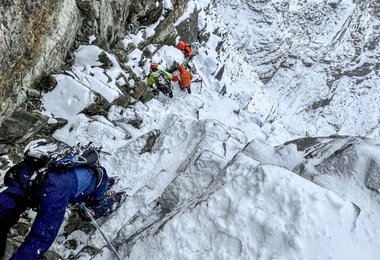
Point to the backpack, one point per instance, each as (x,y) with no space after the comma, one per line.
(162,80)
(45,156)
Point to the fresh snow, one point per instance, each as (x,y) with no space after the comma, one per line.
(260,213)
(67,99)
(217,184)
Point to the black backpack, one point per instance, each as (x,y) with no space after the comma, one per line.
(162,81)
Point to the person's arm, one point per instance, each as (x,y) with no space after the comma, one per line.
(168,75)
(189,52)
(45,228)
(150,80)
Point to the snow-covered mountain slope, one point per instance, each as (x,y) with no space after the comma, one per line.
(319,60)
(346,165)
(255,212)
(203,176)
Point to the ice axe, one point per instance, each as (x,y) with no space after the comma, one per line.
(93,221)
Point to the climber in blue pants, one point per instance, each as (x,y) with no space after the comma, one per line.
(50,197)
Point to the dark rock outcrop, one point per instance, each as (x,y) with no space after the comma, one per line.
(339,158)
(20,125)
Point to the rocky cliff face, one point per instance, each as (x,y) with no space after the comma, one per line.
(34,39)
(38,37)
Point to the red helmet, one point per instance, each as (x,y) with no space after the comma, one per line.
(153,66)
(181,45)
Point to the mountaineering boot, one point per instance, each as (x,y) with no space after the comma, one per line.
(119,198)
(113,180)
(170,94)
(109,203)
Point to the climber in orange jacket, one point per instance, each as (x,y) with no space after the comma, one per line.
(184,78)
(185,48)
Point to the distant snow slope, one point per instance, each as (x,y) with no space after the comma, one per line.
(203,178)
(319,59)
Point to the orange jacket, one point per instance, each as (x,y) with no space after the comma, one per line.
(184,77)
(183,46)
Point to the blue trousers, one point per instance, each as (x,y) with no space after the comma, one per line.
(51,199)
(13,202)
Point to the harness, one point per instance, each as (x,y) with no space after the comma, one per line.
(100,174)
(101,184)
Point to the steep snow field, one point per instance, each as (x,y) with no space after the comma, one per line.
(319,59)
(213,186)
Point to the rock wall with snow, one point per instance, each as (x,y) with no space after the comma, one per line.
(38,38)
(34,38)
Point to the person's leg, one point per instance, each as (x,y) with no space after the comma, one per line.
(161,89)
(12,204)
(166,90)
(103,200)
(189,90)
(103,207)
(4,228)
(155,92)
(187,61)
(170,93)
(109,204)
